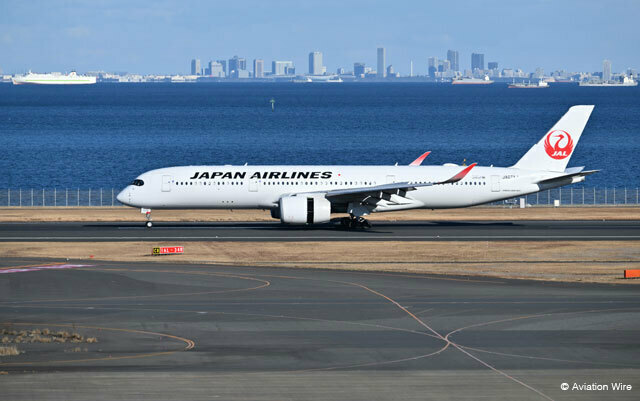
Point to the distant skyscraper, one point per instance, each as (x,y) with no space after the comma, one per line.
(390,71)
(606,70)
(492,65)
(411,68)
(358,69)
(281,67)
(258,68)
(237,64)
(315,63)
(381,72)
(195,66)
(453,57)
(477,61)
(215,69)
(432,66)
(223,63)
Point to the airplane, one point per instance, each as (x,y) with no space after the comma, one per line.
(311,194)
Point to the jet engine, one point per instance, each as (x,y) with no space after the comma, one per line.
(304,210)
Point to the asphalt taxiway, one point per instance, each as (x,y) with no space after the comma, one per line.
(169,331)
(381,231)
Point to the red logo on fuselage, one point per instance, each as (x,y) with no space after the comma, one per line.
(562,144)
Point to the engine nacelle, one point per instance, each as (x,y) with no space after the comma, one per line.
(304,210)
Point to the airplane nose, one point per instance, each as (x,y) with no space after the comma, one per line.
(123,196)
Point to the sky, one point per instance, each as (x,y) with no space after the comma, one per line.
(161,37)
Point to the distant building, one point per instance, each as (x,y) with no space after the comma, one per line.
(444,65)
(453,57)
(359,69)
(240,74)
(492,65)
(223,63)
(236,64)
(340,71)
(390,72)
(539,73)
(507,72)
(411,68)
(477,61)
(606,70)
(432,65)
(215,69)
(315,63)
(195,66)
(258,68)
(281,67)
(381,62)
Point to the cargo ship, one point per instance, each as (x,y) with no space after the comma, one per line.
(54,78)
(529,85)
(625,81)
(472,81)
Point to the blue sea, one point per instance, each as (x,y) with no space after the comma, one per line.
(104,135)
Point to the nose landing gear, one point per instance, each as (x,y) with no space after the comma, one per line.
(147,214)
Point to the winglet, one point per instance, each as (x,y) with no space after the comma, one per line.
(460,175)
(420,159)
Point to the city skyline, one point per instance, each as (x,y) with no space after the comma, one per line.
(125,36)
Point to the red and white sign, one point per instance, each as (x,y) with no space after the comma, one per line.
(168,250)
(562,144)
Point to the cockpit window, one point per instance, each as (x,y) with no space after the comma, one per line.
(137,183)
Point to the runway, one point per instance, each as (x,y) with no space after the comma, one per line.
(381,231)
(167,331)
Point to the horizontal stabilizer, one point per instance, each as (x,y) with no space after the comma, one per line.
(564,177)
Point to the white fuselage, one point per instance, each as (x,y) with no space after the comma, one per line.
(261,187)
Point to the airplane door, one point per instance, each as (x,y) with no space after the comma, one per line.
(495,183)
(166,183)
(253,185)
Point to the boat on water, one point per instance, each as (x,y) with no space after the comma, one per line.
(54,78)
(324,78)
(529,85)
(625,81)
(472,81)
(301,80)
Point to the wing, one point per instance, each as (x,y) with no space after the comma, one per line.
(420,159)
(386,191)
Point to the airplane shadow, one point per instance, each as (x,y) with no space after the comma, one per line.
(377,227)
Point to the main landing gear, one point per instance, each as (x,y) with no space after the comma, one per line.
(354,222)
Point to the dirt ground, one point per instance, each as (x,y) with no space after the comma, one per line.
(40,214)
(591,261)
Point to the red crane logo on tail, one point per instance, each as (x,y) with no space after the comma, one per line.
(557,151)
